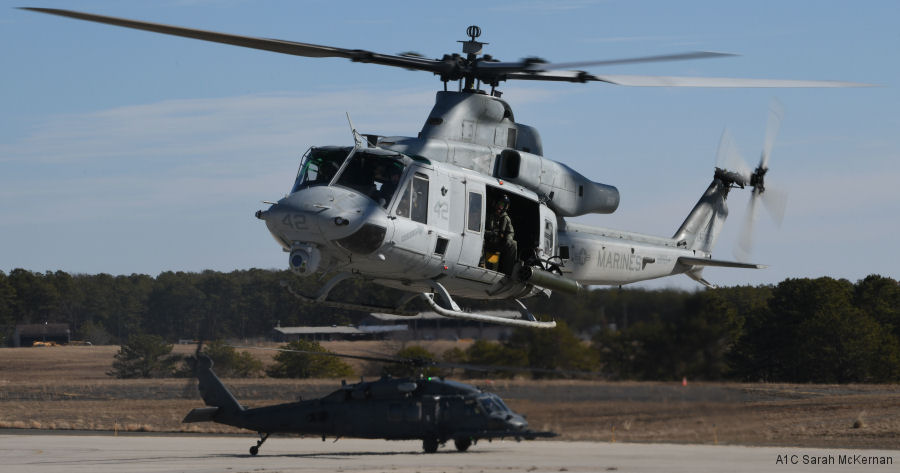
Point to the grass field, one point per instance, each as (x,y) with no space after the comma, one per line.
(68,388)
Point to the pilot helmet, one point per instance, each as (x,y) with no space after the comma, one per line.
(503,203)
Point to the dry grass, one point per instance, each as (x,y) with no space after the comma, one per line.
(90,363)
(65,388)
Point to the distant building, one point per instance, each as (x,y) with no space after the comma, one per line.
(318,334)
(26,334)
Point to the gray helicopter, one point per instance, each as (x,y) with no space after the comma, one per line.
(470,207)
(432,409)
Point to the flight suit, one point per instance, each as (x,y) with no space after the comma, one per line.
(499,236)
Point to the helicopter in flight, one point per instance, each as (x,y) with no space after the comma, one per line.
(471,207)
(433,409)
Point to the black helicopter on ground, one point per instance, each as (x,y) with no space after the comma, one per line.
(432,409)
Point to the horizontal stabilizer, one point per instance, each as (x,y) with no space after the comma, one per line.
(200,414)
(691,261)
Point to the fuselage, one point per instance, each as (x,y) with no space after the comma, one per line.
(402,221)
(393,409)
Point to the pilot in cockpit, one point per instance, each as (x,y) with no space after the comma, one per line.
(327,170)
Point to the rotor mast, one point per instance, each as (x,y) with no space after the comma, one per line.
(472,49)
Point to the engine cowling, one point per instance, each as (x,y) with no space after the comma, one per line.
(570,193)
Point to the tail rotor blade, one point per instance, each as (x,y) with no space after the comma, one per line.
(745,241)
(729,158)
(775,201)
(773,124)
(203,330)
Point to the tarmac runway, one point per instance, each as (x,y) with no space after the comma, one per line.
(125,454)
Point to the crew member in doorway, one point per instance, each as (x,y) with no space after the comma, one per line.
(499,236)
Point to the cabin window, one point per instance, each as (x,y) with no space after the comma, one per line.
(474,212)
(548,237)
(405,412)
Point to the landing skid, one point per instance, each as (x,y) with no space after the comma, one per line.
(527,319)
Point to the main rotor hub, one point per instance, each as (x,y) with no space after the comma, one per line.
(471,47)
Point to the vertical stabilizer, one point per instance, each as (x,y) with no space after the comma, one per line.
(702,226)
(213,392)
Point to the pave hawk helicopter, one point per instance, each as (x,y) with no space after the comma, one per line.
(413,213)
(433,409)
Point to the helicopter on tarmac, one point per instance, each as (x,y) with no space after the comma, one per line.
(433,409)
(470,207)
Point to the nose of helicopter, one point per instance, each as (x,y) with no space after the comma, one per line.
(516,422)
(508,421)
(319,215)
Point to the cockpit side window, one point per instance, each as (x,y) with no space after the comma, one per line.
(492,403)
(500,403)
(414,199)
(420,198)
(319,166)
(486,404)
(403,205)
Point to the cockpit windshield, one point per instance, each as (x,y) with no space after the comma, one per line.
(375,175)
(492,403)
(319,166)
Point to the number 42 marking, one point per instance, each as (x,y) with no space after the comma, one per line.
(295,221)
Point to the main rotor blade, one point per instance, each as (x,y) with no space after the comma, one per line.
(326,353)
(274,45)
(632,60)
(437,364)
(533,65)
(673,81)
(556,76)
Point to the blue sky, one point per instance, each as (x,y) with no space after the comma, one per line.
(130,152)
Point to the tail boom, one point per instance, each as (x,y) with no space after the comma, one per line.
(599,256)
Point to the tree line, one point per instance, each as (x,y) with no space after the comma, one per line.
(800,330)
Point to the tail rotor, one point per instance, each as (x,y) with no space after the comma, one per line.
(773,199)
(192,362)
